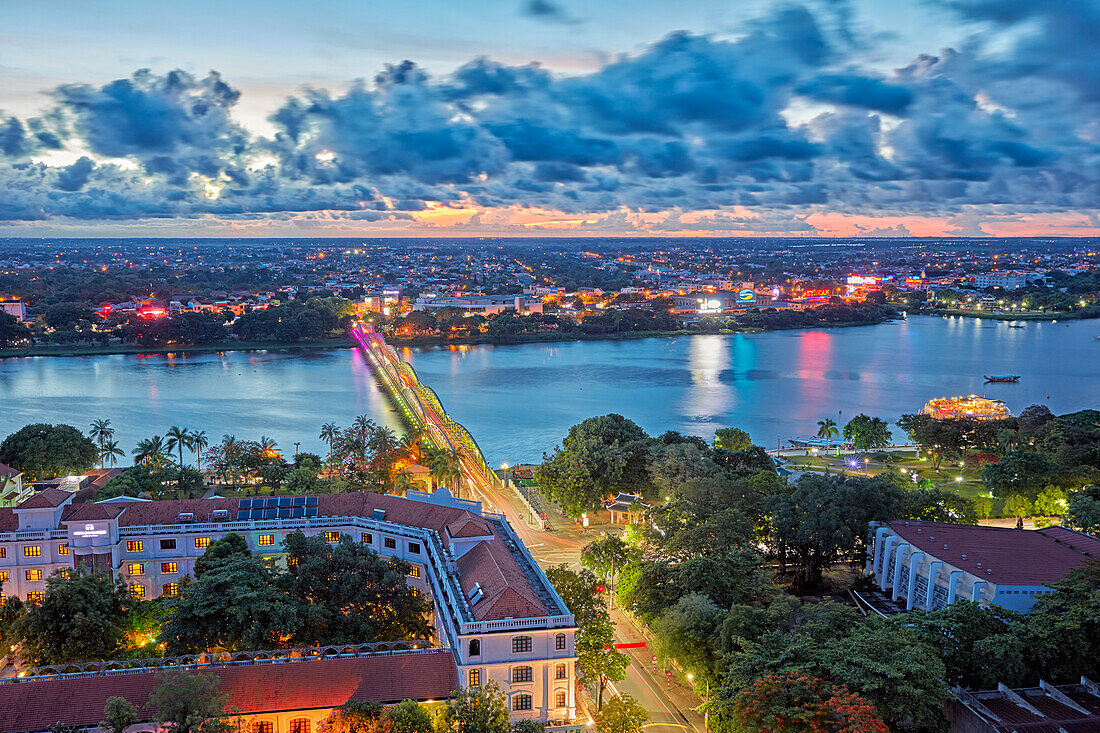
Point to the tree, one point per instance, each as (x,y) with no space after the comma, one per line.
(232,545)
(330,433)
(235,604)
(479,709)
(1084,510)
(302,480)
(827,429)
(606,557)
(1019,472)
(43,451)
(347,594)
(189,703)
(356,716)
(177,437)
(971,641)
(79,618)
(946,439)
(528,726)
(118,715)
(150,451)
(794,701)
(867,433)
(101,431)
(110,452)
(12,332)
(199,441)
(622,714)
(732,439)
(409,716)
(1050,502)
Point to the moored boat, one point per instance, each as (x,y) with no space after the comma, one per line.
(1004,378)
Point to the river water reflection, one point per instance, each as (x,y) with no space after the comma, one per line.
(518,401)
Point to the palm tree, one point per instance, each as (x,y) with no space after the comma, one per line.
(149,451)
(199,442)
(268,446)
(403,481)
(382,439)
(101,432)
(110,451)
(329,433)
(364,425)
(444,468)
(177,437)
(410,445)
(827,429)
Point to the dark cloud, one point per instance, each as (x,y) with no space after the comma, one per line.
(692,122)
(545,10)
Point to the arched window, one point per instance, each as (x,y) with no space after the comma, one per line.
(560,672)
(521,644)
(561,700)
(559,642)
(522,674)
(475,647)
(519,702)
(263,726)
(299,725)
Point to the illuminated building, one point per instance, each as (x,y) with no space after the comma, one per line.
(495,612)
(973,406)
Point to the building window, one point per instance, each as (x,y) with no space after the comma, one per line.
(63,549)
(521,644)
(560,673)
(331,537)
(299,725)
(269,563)
(135,546)
(3,576)
(35,596)
(167,544)
(170,589)
(475,677)
(292,562)
(3,552)
(137,591)
(559,642)
(391,543)
(267,539)
(414,548)
(414,572)
(201,543)
(136,568)
(33,575)
(521,702)
(475,647)
(263,726)
(367,538)
(169,567)
(32,551)
(522,674)
(560,699)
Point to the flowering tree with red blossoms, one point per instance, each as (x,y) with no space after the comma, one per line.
(794,702)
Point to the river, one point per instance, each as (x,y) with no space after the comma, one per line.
(519,401)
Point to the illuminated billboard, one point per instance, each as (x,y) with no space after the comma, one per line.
(864,280)
(746,296)
(709,305)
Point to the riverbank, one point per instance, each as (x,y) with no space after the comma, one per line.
(1083,314)
(134,349)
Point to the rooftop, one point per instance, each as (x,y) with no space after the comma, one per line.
(1002,555)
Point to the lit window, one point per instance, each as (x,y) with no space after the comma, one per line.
(3,552)
(32,551)
(135,546)
(475,677)
(368,538)
(560,699)
(521,644)
(136,569)
(63,549)
(414,548)
(269,563)
(137,591)
(299,725)
(202,542)
(267,539)
(263,726)
(521,674)
(559,642)
(292,562)
(331,537)
(169,567)
(414,572)
(560,672)
(3,576)
(33,575)
(167,544)
(35,596)
(170,589)
(391,543)
(521,702)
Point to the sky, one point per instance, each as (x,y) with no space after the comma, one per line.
(550,117)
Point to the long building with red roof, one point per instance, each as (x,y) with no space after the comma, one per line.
(495,611)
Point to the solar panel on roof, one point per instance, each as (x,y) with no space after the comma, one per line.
(299,501)
(244,514)
(311,511)
(271,513)
(286,501)
(284,512)
(244,504)
(298,511)
(311,501)
(271,502)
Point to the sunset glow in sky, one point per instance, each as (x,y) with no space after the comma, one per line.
(537,117)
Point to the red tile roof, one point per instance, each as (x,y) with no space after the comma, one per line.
(505,590)
(8,521)
(8,471)
(35,705)
(91,512)
(47,499)
(1001,555)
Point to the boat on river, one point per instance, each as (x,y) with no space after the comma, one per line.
(1006,378)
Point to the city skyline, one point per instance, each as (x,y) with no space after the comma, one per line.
(546,118)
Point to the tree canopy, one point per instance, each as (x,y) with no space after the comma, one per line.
(43,451)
